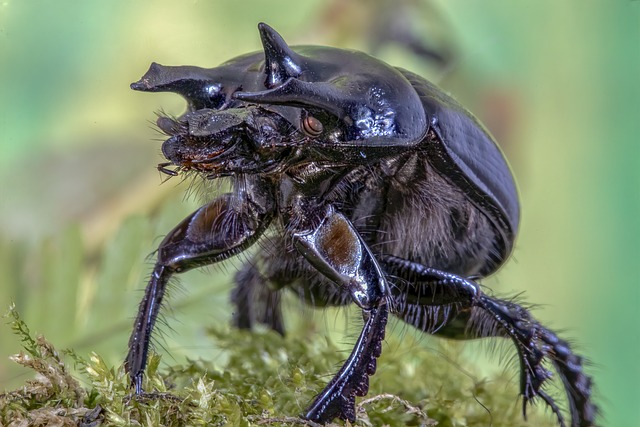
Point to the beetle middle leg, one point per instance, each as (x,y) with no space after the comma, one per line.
(255,301)
(439,302)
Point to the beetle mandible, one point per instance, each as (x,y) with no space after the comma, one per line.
(375,187)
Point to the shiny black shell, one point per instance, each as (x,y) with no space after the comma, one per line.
(403,110)
(469,156)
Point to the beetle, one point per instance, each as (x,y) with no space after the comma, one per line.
(365,184)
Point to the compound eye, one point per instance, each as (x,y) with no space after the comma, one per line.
(312,126)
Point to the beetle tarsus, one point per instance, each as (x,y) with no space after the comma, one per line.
(137,383)
(550,402)
(535,345)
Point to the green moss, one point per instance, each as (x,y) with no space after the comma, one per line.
(265,380)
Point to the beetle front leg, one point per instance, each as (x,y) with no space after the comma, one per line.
(216,231)
(335,249)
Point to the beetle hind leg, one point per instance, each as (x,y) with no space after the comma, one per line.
(537,344)
(473,314)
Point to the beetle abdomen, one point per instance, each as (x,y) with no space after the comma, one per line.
(463,151)
(404,207)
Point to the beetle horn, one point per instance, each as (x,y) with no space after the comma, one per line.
(195,84)
(281,63)
(162,78)
(306,94)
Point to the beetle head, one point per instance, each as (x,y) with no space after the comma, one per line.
(281,104)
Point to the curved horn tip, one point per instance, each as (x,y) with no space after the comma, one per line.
(281,61)
(150,79)
(262,26)
(267,31)
(139,85)
(273,42)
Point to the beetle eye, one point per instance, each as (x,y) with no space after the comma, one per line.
(312,126)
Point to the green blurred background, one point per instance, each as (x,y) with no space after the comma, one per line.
(81,204)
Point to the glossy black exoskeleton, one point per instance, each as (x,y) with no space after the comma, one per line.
(365,183)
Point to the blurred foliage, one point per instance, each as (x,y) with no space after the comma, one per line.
(266,380)
(82,208)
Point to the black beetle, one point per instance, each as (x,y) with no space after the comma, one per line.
(365,183)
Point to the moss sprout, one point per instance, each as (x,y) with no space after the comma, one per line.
(264,379)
